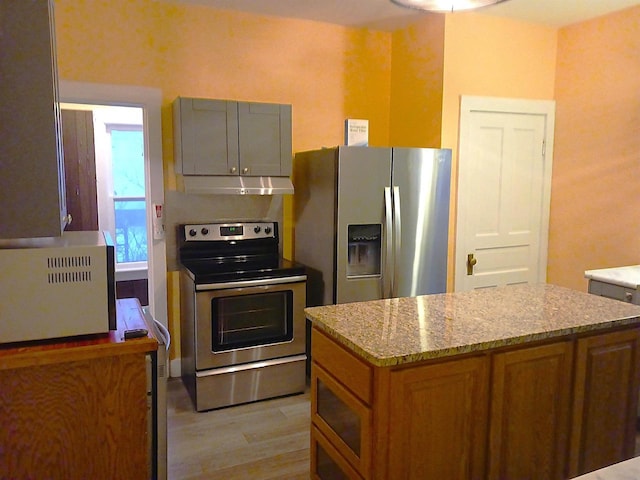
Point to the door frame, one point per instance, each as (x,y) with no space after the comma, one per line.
(473,104)
(150,100)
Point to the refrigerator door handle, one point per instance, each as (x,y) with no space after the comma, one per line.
(396,241)
(388,245)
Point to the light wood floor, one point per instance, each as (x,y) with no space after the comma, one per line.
(267,440)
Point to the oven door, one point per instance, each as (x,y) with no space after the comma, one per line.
(242,322)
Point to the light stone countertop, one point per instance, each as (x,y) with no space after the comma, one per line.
(404,330)
(627,470)
(623,276)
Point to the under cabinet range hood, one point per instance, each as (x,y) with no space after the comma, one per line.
(235,185)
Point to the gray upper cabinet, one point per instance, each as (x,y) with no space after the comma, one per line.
(205,136)
(32,191)
(264,139)
(223,137)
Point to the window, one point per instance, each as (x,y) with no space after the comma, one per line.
(127,170)
(120,176)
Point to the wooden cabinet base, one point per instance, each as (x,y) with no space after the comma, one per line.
(542,411)
(606,399)
(76,408)
(438,420)
(75,420)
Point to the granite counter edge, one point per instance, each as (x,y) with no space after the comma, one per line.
(413,357)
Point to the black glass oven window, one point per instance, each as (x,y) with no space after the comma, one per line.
(250,320)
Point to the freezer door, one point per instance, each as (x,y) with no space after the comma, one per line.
(423,178)
(363,174)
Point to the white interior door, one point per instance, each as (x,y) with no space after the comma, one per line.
(504,182)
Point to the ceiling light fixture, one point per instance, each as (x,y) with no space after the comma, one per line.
(445,5)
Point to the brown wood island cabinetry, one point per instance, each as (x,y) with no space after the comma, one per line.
(529,411)
(77,408)
(471,391)
(605,400)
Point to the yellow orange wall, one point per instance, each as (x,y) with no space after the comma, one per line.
(408,84)
(416,83)
(328,73)
(595,196)
(492,57)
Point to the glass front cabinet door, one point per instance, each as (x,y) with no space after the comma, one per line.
(341,417)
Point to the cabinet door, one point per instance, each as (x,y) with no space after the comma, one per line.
(75,420)
(605,401)
(264,139)
(343,419)
(326,461)
(32,189)
(437,420)
(205,136)
(530,412)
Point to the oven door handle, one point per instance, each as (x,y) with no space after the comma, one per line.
(252,366)
(251,283)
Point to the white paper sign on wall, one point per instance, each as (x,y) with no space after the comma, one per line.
(356,132)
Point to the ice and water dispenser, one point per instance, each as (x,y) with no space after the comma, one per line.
(364,250)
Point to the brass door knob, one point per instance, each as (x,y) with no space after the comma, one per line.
(471,261)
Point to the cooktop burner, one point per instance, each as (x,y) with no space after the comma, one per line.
(205,272)
(233,251)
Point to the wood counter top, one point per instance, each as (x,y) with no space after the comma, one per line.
(405,330)
(129,316)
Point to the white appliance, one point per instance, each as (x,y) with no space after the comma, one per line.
(56,287)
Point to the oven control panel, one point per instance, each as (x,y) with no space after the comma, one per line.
(229,231)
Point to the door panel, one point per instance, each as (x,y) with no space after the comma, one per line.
(503,199)
(606,401)
(80,169)
(529,417)
(424,180)
(439,420)
(363,174)
(260,138)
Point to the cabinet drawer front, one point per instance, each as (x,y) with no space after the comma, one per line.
(345,367)
(326,461)
(342,418)
(616,292)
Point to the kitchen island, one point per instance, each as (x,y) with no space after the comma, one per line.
(531,381)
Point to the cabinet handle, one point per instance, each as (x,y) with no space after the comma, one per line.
(628,296)
(245,170)
(233,170)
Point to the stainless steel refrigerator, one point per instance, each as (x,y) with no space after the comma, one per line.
(372,223)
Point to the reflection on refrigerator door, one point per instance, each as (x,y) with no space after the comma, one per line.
(341,220)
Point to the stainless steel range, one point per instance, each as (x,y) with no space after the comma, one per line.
(243,324)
